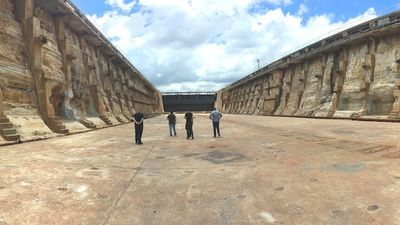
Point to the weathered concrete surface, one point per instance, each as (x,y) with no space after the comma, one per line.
(264,170)
(59,74)
(352,74)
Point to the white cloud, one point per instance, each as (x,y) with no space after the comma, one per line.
(280,2)
(190,86)
(193,45)
(303,9)
(121,4)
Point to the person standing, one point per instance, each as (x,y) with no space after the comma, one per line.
(216,116)
(189,124)
(172,122)
(138,118)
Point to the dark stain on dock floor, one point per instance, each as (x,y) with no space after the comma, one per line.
(221,157)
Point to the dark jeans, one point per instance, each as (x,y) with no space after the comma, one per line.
(216,128)
(189,130)
(138,133)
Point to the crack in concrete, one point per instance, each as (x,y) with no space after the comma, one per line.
(111,212)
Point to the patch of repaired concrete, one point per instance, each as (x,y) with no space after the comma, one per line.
(187,155)
(352,167)
(343,131)
(62,189)
(102,196)
(241,197)
(279,189)
(372,207)
(221,157)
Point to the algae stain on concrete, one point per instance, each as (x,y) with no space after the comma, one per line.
(350,168)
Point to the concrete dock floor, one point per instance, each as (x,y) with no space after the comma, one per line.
(263,170)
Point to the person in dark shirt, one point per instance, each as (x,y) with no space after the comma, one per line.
(138,118)
(189,124)
(172,122)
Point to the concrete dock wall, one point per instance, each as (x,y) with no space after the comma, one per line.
(59,74)
(352,74)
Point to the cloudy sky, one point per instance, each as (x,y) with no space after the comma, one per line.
(203,45)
